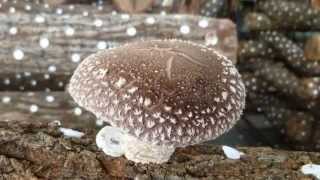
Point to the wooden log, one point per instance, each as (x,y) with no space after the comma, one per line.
(39,151)
(53,45)
(54,8)
(85,7)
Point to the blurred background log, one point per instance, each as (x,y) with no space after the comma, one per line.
(47,106)
(283,16)
(41,51)
(217,8)
(39,151)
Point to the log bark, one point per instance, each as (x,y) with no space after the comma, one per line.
(40,151)
(68,39)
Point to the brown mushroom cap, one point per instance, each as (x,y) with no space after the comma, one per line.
(168,92)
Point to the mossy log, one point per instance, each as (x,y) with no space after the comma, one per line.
(40,151)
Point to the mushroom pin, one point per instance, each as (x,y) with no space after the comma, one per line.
(158,95)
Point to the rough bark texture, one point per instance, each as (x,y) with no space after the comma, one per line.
(39,151)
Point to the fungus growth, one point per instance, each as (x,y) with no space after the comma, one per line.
(158,95)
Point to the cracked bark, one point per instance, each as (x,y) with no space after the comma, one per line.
(36,150)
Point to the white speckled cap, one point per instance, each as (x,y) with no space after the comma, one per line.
(166,92)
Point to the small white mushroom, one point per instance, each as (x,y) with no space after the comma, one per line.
(311,169)
(71,133)
(110,141)
(232,153)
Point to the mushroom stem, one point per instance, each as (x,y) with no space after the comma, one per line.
(110,140)
(144,152)
(114,142)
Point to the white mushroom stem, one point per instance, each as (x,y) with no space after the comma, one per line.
(115,142)
(144,152)
(110,140)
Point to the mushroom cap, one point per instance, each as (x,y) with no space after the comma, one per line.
(166,92)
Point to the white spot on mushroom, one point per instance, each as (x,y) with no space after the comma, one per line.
(34,108)
(70,133)
(178,112)
(132,90)
(185,29)
(147,102)
(121,82)
(161,120)
(137,131)
(150,124)
(190,131)
(109,139)
(18,54)
(224,95)
(137,112)
(167,108)
(311,169)
(179,131)
(173,120)
(232,153)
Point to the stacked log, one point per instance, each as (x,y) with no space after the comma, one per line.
(281,55)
